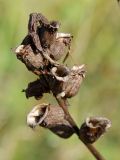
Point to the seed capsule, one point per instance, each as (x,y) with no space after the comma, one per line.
(51,117)
(93,128)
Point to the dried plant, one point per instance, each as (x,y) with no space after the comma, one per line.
(51,117)
(40,51)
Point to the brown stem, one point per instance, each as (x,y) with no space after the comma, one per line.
(62,104)
(92,149)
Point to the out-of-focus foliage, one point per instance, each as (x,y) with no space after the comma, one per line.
(95,25)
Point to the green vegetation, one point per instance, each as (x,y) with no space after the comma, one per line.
(95,26)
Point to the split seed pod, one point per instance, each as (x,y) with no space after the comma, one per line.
(51,117)
(93,128)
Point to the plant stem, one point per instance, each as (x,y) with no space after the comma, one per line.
(94,151)
(91,148)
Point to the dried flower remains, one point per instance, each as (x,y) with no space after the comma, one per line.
(40,51)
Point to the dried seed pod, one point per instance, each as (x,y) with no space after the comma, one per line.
(60,46)
(37,88)
(34,62)
(36,20)
(75,78)
(60,72)
(43,85)
(42,31)
(62,82)
(93,128)
(47,34)
(43,45)
(51,117)
(69,84)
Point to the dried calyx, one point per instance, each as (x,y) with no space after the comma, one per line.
(50,117)
(62,82)
(37,88)
(70,83)
(93,128)
(43,45)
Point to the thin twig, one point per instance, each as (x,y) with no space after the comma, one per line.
(63,105)
(94,151)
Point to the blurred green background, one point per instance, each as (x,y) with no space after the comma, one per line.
(95,25)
